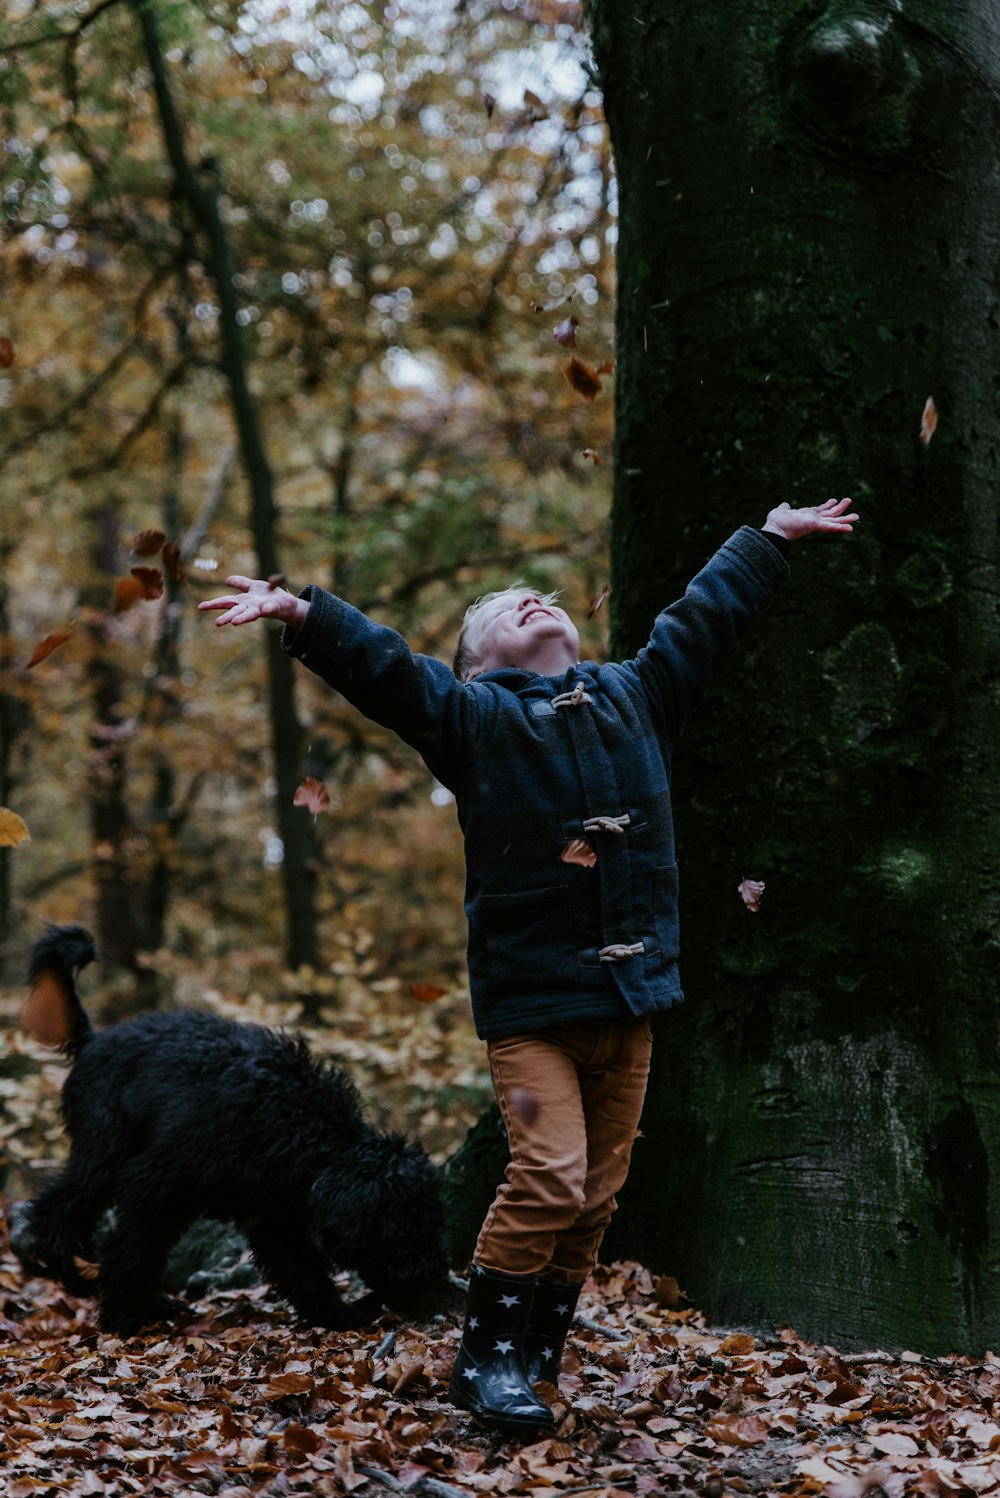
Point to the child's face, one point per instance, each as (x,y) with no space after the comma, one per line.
(517,629)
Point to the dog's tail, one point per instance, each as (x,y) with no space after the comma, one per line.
(52,1011)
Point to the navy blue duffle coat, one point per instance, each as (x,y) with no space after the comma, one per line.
(537,761)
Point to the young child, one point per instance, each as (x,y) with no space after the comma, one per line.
(561,774)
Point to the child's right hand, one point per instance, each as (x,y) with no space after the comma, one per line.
(257,599)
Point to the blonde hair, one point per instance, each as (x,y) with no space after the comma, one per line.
(466,658)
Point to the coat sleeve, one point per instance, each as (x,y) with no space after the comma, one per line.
(416,696)
(696,636)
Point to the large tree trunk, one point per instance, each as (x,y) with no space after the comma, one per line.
(809,247)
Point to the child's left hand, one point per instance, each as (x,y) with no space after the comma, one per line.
(828,518)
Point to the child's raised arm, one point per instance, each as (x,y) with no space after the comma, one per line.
(258,599)
(812,520)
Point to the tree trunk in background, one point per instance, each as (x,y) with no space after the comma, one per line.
(200,190)
(810,200)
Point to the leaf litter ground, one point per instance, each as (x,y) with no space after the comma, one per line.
(239,1398)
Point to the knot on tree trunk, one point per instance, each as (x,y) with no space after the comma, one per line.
(857,80)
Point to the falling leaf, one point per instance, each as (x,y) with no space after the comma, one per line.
(427,993)
(584,380)
(565,332)
(45,647)
(45,1013)
(524,1105)
(276,580)
(128,590)
(205,564)
(750,891)
(599,601)
(173,562)
(6,353)
(490,103)
(928,422)
(150,580)
(12,829)
(535,108)
(608,367)
(579,851)
(148,543)
(595,458)
(85,1268)
(313,794)
(667,1292)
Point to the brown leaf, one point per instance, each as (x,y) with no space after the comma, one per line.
(6,353)
(737,1345)
(750,891)
(288,1384)
(928,421)
(524,1105)
(595,458)
(427,993)
(148,543)
(584,380)
(535,108)
(599,601)
(128,591)
(86,1269)
(12,829)
(579,851)
(301,1440)
(737,1430)
(565,332)
(313,794)
(608,367)
(490,102)
(150,580)
(276,580)
(173,562)
(45,1013)
(45,647)
(667,1292)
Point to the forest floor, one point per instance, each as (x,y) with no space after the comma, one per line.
(240,1399)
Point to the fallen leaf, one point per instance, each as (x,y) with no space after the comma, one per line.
(929,421)
(892,1443)
(579,851)
(45,1013)
(750,891)
(45,647)
(737,1345)
(6,353)
(534,106)
(173,562)
(565,332)
(301,1440)
(148,543)
(524,1105)
(313,794)
(150,580)
(737,1430)
(584,380)
(427,993)
(288,1384)
(599,601)
(12,829)
(667,1292)
(595,458)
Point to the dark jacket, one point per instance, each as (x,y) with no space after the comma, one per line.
(535,762)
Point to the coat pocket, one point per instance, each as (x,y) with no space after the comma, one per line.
(665,918)
(528,937)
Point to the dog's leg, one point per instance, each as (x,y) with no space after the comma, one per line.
(133,1262)
(61,1223)
(294,1267)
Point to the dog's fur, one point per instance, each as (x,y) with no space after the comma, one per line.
(182,1114)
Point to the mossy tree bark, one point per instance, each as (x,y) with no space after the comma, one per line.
(809,248)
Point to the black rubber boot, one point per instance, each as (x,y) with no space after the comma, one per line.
(488,1378)
(552,1307)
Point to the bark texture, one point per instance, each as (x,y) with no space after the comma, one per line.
(810,248)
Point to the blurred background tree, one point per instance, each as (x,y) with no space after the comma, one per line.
(414,197)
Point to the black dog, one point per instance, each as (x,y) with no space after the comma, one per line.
(178,1115)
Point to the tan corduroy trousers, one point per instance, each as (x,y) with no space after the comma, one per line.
(570,1097)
